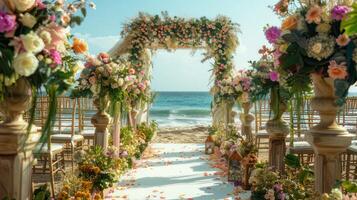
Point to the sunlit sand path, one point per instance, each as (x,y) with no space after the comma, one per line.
(173,171)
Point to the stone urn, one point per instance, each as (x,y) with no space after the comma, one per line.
(327,138)
(16,142)
(101,121)
(277,129)
(247,119)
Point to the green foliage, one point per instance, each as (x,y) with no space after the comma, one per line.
(349,23)
(42,193)
(350,187)
(292,161)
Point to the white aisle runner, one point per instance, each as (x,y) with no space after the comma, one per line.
(177,171)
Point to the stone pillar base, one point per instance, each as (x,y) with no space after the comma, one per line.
(328,144)
(277,130)
(16,161)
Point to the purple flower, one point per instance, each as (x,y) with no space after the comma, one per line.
(339,12)
(281,196)
(272,34)
(7,22)
(274,76)
(56,56)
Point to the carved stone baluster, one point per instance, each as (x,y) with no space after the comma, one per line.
(16,146)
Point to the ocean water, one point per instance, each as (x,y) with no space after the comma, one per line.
(177,109)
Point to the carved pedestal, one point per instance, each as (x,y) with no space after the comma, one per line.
(247,119)
(222,113)
(101,122)
(327,138)
(278,130)
(15,145)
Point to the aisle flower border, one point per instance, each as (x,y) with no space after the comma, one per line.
(217,37)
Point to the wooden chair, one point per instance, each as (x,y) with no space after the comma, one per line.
(66,130)
(261,113)
(86,112)
(50,160)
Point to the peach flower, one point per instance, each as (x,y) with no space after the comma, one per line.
(343,40)
(314,15)
(337,71)
(290,23)
(79,46)
(58,36)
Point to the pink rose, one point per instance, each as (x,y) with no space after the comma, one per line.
(104,57)
(58,35)
(132,71)
(56,56)
(274,76)
(7,22)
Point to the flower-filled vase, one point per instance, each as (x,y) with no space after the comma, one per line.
(327,138)
(16,145)
(101,122)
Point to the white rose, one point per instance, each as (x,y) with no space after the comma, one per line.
(23,5)
(28,20)
(120,82)
(32,42)
(45,36)
(25,64)
(316,48)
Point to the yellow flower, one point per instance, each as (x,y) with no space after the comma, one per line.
(290,23)
(323,28)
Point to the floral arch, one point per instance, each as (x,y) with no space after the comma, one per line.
(218,37)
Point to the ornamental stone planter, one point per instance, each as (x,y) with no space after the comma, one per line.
(247,119)
(277,129)
(328,139)
(16,146)
(101,122)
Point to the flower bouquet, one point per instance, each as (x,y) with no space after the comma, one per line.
(312,41)
(295,184)
(35,54)
(266,81)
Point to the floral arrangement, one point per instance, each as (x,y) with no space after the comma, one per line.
(216,36)
(36,47)
(311,40)
(77,188)
(266,80)
(346,191)
(295,184)
(235,88)
(104,78)
(99,167)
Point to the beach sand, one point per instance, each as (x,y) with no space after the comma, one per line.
(195,134)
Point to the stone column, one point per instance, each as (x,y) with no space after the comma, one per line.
(247,119)
(16,146)
(328,139)
(277,129)
(101,122)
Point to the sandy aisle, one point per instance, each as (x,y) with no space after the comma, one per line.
(173,172)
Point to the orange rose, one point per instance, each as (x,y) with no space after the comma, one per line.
(314,15)
(290,23)
(337,71)
(79,46)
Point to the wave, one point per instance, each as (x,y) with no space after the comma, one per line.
(180,112)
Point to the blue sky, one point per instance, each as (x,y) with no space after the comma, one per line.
(180,71)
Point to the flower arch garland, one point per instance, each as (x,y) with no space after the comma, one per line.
(218,37)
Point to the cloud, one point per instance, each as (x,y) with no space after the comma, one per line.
(99,44)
